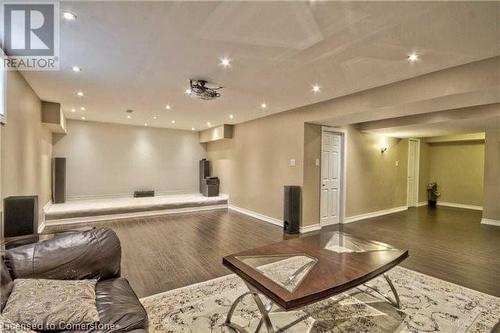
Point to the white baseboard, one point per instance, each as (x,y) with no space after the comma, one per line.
(310,228)
(272,220)
(490,222)
(457,205)
(256,215)
(422,203)
(359,217)
(112,217)
(41,226)
(327,224)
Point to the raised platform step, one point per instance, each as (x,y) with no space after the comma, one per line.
(106,209)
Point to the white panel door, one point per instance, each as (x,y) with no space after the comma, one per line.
(330,178)
(413,172)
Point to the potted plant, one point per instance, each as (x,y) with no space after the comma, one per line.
(432,193)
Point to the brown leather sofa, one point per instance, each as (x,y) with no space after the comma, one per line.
(92,254)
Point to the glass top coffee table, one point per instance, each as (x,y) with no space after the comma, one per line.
(297,272)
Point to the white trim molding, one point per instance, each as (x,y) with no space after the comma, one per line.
(272,220)
(256,215)
(41,226)
(112,217)
(423,203)
(490,222)
(310,228)
(457,205)
(374,214)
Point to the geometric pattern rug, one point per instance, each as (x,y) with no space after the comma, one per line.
(428,304)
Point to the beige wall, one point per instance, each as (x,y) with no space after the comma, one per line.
(491,207)
(254,165)
(26,144)
(457,167)
(374,181)
(109,160)
(312,175)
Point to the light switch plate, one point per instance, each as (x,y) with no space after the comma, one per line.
(397,163)
(317,162)
(292,162)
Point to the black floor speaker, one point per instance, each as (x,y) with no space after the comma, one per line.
(204,172)
(20,215)
(292,209)
(59,180)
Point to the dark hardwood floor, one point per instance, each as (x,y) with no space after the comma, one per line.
(447,243)
(171,251)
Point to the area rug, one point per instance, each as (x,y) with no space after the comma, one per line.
(428,305)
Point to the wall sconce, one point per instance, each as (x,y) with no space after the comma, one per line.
(383,147)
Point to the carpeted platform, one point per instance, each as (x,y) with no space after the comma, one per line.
(101,209)
(428,305)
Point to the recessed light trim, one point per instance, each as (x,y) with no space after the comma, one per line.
(73,110)
(225,62)
(129,116)
(209,124)
(263,105)
(76,69)
(413,57)
(231,116)
(173,121)
(316,88)
(80,93)
(193,129)
(168,107)
(83,108)
(69,16)
(83,118)
(155,117)
(145,124)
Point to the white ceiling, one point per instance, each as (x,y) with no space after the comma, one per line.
(140,55)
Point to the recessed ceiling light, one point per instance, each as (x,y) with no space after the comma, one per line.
(316,88)
(173,121)
(83,108)
(188,91)
(73,110)
(193,129)
(231,116)
(155,117)
(209,124)
(167,107)
(69,16)
(225,62)
(83,118)
(263,105)
(145,124)
(79,93)
(129,116)
(76,69)
(413,57)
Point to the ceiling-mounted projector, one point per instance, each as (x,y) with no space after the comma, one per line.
(201,89)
